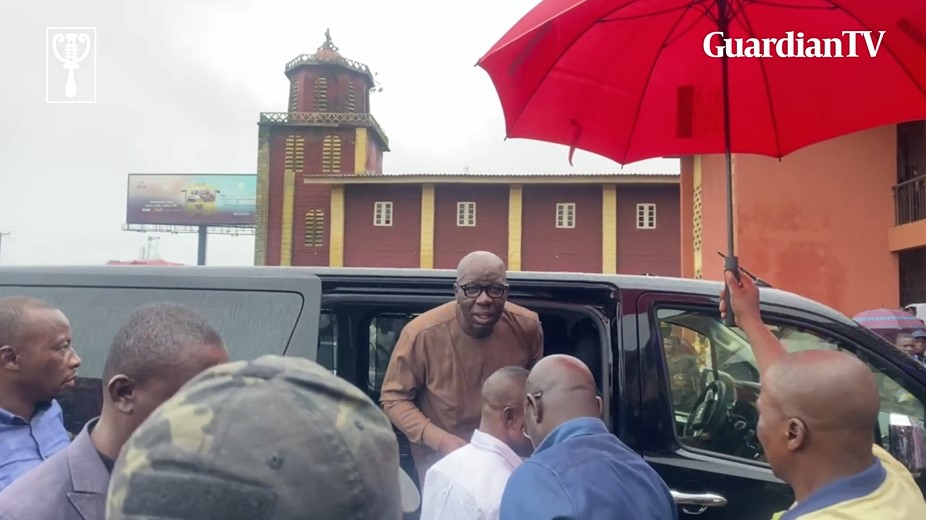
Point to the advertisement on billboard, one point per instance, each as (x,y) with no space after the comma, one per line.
(192,200)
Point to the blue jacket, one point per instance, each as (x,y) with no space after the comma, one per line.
(583,472)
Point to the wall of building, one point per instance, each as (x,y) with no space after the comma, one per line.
(311,209)
(337,85)
(452,242)
(658,250)
(544,247)
(329,150)
(366,245)
(275,195)
(374,155)
(686,209)
(817,222)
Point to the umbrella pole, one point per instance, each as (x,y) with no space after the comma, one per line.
(730,262)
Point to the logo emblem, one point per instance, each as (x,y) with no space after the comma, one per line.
(70,65)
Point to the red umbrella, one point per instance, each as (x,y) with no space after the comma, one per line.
(635,79)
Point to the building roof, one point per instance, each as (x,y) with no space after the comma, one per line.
(495,178)
(327,54)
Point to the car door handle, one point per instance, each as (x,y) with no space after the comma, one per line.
(700,501)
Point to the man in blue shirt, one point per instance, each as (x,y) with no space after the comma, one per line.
(579,470)
(37,363)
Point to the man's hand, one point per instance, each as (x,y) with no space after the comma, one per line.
(744,298)
(450,443)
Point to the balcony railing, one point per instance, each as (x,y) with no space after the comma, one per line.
(910,200)
(325,119)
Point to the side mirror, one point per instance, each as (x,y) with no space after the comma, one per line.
(908,442)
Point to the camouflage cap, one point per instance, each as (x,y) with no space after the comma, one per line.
(272,439)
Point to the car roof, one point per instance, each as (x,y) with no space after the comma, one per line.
(708,288)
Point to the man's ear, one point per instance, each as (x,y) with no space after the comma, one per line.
(8,358)
(796,433)
(121,389)
(600,407)
(509,415)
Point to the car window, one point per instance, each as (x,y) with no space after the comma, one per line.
(252,323)
(696,341)
(327,353)
(383,334)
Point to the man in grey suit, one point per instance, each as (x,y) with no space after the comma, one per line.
(159,349)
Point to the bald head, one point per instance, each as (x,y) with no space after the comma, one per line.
(830,391)
(479,262)
(560,388)
(503,408)
(560,373)
(504,388)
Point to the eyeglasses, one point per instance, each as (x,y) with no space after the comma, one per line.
(471,290)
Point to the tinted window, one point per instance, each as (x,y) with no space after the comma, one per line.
(700,348)
(252,323)
(383,334)
(327,353)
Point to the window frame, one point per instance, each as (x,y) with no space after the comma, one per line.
(383,218)
(772,315)
(465,219)
(565,215)
(645,220)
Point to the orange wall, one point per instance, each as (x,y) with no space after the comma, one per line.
(714,214)
(816,223)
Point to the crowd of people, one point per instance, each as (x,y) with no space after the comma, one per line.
(497,429)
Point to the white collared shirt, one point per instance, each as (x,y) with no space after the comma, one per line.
(468,484)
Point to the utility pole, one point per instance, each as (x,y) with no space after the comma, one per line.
(2,234)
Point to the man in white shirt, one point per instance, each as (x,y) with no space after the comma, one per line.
(468,483)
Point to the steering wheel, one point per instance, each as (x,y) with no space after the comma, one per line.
(709,414)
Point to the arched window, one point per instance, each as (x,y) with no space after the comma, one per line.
(351,97)
(314,228)
(294,153)
(331,154)
(321,94)
(294,96)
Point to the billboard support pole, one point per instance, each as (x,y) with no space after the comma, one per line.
(201,250)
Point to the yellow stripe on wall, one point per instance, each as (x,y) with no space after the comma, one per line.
(515,215)
(609,229)
(697,224)
(263,195)
(360,150)
(426,247)
(336,231)
(286,231)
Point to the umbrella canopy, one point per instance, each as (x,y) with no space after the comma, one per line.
(632,80)
(889,320)
(635,79)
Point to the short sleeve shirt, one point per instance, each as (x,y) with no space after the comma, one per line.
(884,490)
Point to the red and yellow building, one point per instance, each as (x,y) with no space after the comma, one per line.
(842,222)
(323,200)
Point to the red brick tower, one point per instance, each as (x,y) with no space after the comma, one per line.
(327,130)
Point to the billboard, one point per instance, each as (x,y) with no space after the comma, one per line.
(192,200)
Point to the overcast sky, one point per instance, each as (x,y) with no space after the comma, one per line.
(180,88)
